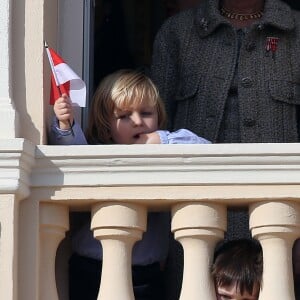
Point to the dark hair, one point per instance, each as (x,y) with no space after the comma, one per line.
(238,262)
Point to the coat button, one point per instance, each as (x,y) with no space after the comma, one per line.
(247,82)
(249,122)
(250,46)
(260,27)
(204,24)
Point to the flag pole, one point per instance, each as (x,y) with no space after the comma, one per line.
(55,77)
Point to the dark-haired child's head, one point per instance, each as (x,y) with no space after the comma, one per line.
(237,270)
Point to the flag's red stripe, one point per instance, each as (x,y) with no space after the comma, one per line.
(55,57)
(67,74)
(54,93)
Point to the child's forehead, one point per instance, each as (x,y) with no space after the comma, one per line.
(234,292)
(134,105)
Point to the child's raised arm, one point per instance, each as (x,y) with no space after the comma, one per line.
(64,129)
(64,112)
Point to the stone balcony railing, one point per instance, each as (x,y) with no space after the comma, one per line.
(40,185)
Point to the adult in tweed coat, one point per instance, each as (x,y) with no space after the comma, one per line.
(221,82)
(231,80)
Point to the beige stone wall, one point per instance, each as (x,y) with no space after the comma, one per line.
(40,185)
(31,22)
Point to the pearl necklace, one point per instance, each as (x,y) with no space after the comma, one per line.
(241,17)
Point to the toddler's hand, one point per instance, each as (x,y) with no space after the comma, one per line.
(149,138)
(64,112)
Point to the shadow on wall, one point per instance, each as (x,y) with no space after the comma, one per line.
(64,252)
(29,223)
(28,129)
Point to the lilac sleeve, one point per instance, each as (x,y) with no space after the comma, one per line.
(58,136)
(181,136)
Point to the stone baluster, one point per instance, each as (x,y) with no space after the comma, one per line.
(118,226)
(198,227)
(276,226)
(54,222)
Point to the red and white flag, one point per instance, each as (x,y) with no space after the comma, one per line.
(65,80)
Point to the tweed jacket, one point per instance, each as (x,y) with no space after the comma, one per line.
(194,58)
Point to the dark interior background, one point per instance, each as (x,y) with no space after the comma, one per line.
(124,31)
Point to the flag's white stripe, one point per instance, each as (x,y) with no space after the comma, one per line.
(78,92)
(77,86)
(64,73)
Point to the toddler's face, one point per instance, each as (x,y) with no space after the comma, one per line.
(128,124)
(232,293)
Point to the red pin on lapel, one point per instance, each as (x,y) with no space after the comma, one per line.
(272,44)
